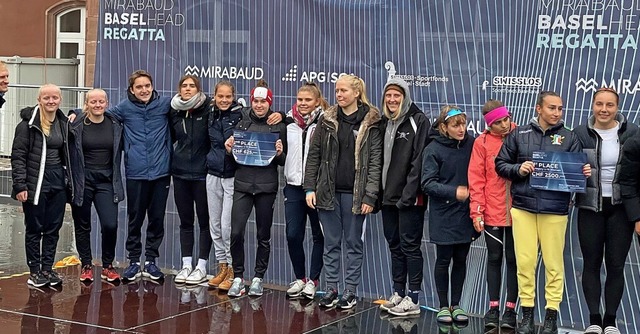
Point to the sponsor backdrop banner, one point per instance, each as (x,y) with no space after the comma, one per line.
(451,52)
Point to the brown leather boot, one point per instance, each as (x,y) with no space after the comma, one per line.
(219,278)
(226,284)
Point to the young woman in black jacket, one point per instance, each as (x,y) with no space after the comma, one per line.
(40,174)
(403,203)
(603,228)
(255,187)
(189,131)
(444,178)
(342,180)
(539,216)
(96,153)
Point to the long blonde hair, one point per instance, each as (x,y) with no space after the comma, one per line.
(358,85)
(45,123)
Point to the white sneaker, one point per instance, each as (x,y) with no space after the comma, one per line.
(255,289)
(405,308)
(309,290)
(182,275)
(197,276)
(593,329)
(295,288)
(237,288)
(393,301)
(611,330)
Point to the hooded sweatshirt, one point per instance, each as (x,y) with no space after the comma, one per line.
(405,138)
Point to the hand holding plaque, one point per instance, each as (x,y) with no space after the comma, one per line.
(560,171)
(254,148)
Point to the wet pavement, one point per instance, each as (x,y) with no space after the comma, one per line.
(145,306)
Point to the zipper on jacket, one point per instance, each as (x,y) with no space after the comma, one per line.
(68,160)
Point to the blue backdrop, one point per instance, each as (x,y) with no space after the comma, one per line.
(450,51)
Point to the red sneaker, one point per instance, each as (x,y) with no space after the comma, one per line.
(86,274)
(110,274)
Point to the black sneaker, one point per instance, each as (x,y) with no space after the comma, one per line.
(348,300)
(37,279)
(509,318)
(330,298)
(492,318)
(550,322)
(53,277)
(526,326)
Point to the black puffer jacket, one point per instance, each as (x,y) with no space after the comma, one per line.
(260,179)
(592,146)
(629,177)
(403,178)
(77,159)
(221,125)
(320,173)
(27,157)
(518,147)
(445,162)
(190,136)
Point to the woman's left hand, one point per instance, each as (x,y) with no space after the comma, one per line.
(278,147)
(274,118)
(586,170)
(366,209)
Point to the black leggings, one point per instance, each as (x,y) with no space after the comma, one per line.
(499,240)
(607,233)
(444,255)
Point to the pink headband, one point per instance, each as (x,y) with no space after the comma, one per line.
(496,114)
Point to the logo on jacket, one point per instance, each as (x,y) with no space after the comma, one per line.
(556,139)
(403,135)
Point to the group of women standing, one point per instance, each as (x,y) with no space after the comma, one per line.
(342,163)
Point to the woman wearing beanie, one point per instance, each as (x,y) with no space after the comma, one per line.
(489,206)
(403,203)
(39,171)
(255,187)
(224,115)
(539,216)
(189,125)
(302,120)
(603,228)
(95,142)
(445,163)
(342,180)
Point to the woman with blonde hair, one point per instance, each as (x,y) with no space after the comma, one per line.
(342,180)
(95,141)
(39,156)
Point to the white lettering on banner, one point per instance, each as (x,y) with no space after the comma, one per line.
(622,86)
(311,76)
(575,41)
(413,79)
(223,72)
(134,19)
(139,34)
(607,24)
(139,4)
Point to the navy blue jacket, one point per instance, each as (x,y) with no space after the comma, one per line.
(147,141)
(445,163)
(221,125)
(189,132)
(518,147)
(77,159)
